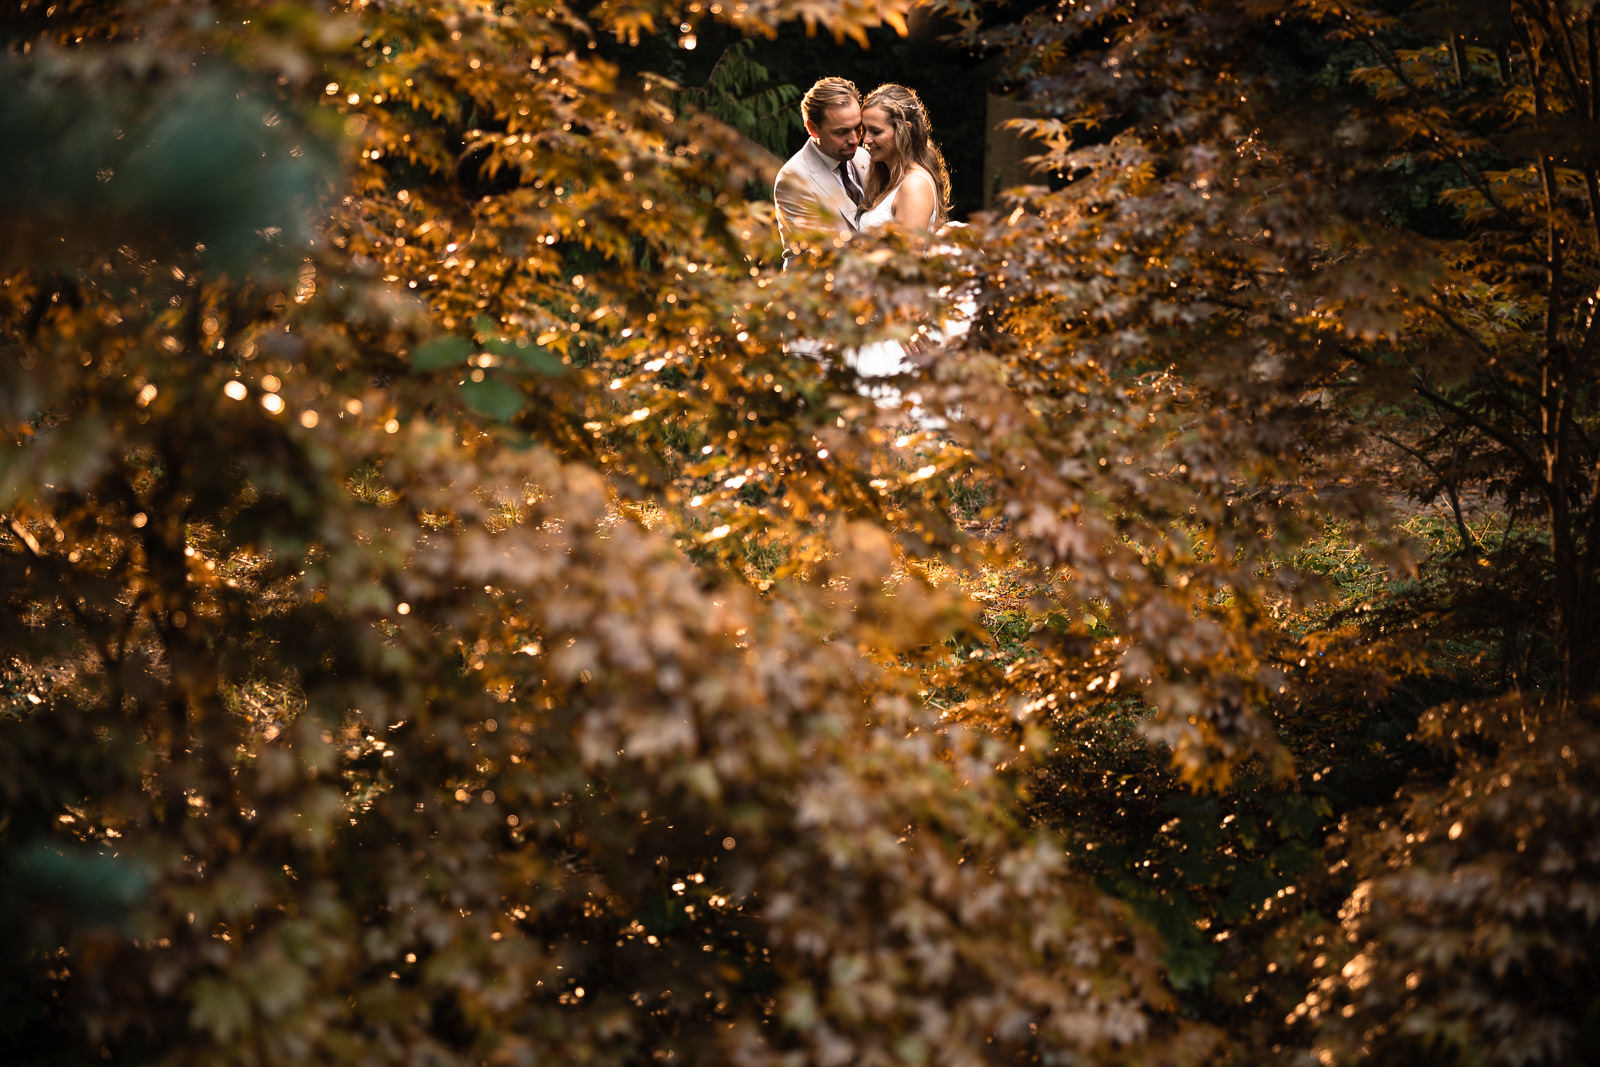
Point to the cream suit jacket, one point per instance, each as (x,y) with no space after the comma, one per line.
(809,196)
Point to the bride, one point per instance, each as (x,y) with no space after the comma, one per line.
(906,181)
(907,184)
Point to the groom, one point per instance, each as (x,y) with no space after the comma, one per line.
(819,189)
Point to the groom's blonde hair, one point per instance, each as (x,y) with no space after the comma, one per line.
(827,94)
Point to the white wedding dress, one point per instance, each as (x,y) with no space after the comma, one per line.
(882,212)
(881,359)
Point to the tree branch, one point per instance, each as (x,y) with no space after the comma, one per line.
(1459,328)
(1471,174)
(1501,436)
(1452,495)
(1564,62)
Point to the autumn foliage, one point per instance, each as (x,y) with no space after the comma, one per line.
(451,624)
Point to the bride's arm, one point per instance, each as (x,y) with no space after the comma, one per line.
(915,203)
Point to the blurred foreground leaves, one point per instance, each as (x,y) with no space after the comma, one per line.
(115,156)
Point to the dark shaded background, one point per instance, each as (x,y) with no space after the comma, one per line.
(951,80)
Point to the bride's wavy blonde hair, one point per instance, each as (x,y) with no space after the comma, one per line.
(913,142)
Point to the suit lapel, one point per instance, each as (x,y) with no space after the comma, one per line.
(829,189)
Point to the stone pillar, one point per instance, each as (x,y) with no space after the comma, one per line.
(1004,150)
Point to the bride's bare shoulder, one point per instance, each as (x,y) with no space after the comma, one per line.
(918,199)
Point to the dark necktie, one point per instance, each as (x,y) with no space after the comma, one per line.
(850,187)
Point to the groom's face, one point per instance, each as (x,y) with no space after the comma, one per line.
(839,133)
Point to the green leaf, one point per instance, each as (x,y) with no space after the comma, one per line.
(219,1008)
(539,360)
(494,399)
(444,351)
(96,886)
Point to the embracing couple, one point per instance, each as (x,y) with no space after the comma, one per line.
(865,163)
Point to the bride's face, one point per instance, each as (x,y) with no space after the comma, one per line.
(879,139)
